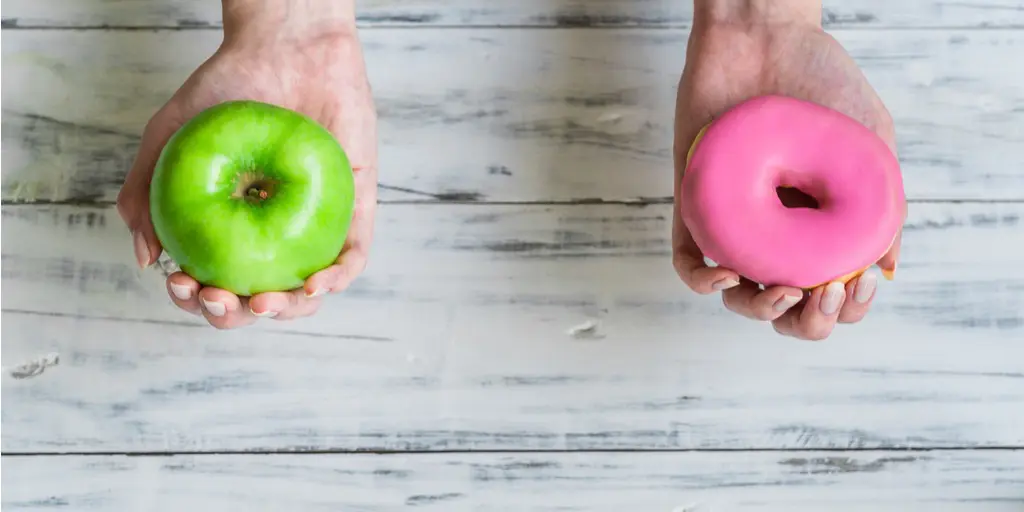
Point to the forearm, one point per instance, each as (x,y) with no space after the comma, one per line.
(288,19)
(753,12)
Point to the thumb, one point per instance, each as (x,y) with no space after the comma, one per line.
(889,260)
(133,199)
(891,257)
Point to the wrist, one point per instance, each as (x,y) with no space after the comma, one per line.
(296,21)
(757,12)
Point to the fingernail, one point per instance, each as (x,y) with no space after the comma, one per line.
(786,302)
(215,308)
(316,293)
(725,284)
(181,291)
(890,273)
(833,297)
(265,314)
(866,284)
(141,249)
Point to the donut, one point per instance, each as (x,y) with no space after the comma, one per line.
(738,164)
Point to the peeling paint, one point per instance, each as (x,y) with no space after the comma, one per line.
(35,367)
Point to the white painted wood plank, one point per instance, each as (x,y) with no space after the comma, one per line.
(456,339)
(558,13)
(975,481)
(544,115)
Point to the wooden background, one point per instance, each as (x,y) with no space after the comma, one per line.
(526,188)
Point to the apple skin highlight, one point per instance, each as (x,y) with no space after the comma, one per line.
(251,197)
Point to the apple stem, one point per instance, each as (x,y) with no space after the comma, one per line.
(254,188)
(257,193)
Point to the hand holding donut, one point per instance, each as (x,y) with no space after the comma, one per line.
(777,55)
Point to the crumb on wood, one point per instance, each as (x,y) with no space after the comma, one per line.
(585,330)
(34,367)
(690,508)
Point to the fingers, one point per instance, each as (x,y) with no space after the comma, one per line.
(283,305)
(889,260)
(750,301)
(184,292)
(271,304)
(321,282)
(133,199)
(133,207)
(220,308)
(818,316)
(891,257)
(339,276)
(689,264)
(306,300)
(859,294)
(223,309)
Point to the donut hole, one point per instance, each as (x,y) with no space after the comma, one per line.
(793,197)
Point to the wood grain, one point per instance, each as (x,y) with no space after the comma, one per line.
(191,14)
(975,481)
(551,115)
(456,339)
(455,348)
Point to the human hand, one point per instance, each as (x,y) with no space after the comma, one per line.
(740,49)
(302,57)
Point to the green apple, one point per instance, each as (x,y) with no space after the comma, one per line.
(251,197)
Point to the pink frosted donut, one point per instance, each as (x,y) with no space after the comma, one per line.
(731,205)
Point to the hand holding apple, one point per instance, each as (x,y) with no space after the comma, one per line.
(301,57)
(251,197)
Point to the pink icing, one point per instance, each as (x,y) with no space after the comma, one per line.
(731,207)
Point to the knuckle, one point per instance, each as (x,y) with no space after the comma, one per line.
(154,123)
(220,324)
(360,266)
(678,267)
(186,307)
(779,329)
(852,317)
(290,314)
(697,289)
(123,206)
(689,279)
(311,307)
(818,333)
(729,301)
(739,304)
(693,286)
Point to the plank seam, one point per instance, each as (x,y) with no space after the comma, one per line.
(13,25)
(639,202)
(171,453)
(148,321)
